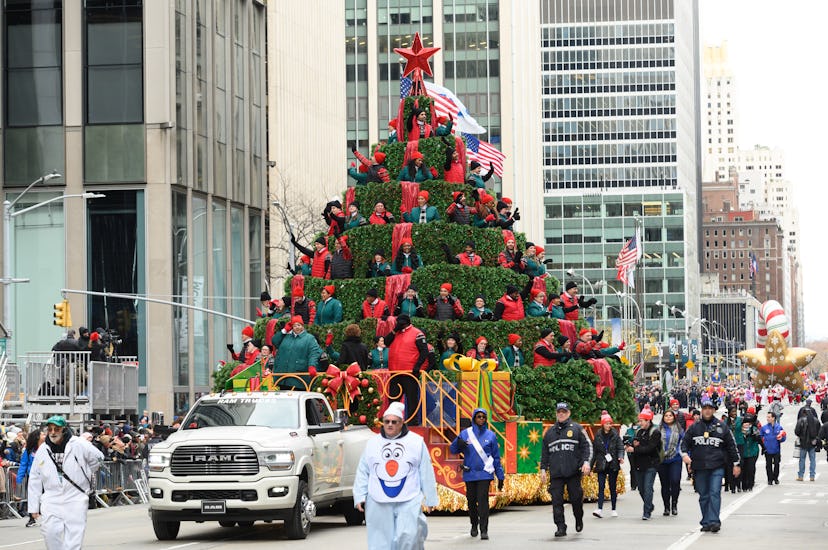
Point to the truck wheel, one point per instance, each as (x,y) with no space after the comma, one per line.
(297,526)
(246,523)
(165,530)
(227,523)
(352,515)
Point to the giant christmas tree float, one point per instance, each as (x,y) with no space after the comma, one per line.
(521,399)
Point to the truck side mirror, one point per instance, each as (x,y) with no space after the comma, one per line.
(341,416)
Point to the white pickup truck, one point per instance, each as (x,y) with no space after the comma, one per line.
(244,457)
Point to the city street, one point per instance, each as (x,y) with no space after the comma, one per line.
(792,513)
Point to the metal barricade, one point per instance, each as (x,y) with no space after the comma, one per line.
(121,483)
(15,499)
(57,376)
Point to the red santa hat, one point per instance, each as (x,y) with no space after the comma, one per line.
(447,286)
(393,123)
(538,250)
(297,320)
(406,240)
(423,194)
(535,292)
(481,339)
(442,119)
(751,409)
(297,291)
(507,200)
(247,331)
(94,337)
(508,236)
(330,288)
(416,155)
(674,402)
(584,331)
(456,194)
(513,338)
(605,417)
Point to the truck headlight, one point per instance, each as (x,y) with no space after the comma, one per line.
(159,461)
(276,460)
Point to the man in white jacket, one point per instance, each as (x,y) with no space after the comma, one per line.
(60,483)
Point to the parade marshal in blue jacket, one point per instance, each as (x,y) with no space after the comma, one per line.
(481,464)
(772,437)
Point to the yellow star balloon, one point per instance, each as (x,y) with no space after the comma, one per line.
(776,363)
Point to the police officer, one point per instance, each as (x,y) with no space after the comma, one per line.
(565,457)
(706,448)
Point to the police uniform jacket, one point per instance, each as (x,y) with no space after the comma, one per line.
(565,449)
(710,445)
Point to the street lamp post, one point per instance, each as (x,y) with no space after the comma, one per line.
(572,273)
(8,215)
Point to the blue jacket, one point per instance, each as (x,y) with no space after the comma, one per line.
(768,433)
(472,463)
(25,465)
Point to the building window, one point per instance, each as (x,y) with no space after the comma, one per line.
(114,62)
(33,90)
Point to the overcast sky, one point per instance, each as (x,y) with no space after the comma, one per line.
(778,53)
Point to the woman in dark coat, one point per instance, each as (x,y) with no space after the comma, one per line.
(607,458)
(353,350)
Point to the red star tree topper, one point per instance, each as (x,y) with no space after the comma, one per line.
(417,62)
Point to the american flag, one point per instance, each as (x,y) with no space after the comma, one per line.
(484,153)
(627,259)
(753,265)
(405,87)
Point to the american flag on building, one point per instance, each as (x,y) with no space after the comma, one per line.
(627,260)
(484,153)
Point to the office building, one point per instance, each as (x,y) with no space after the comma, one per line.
(159,106)
(719,135)
(620,138)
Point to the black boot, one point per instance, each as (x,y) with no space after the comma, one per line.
(666,510)
(473,531)
(675,506)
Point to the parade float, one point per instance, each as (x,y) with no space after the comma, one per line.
(775,362)
(521,399)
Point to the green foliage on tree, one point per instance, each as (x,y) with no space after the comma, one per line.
(222,374)
(537,391)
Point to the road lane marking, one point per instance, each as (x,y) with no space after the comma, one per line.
(20,543)
(689,538)
(180,546)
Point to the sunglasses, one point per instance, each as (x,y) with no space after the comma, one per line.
(391,421)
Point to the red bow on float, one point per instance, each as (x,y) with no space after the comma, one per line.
(347,377)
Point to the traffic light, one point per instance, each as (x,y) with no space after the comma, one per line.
(62,314)
(638,347)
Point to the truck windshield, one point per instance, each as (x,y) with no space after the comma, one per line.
(268,412)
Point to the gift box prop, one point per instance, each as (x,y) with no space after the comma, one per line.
(480,384)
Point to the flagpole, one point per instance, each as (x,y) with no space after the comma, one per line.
(639,234)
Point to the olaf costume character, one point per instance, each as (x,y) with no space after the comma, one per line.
(60,482)
(394,476)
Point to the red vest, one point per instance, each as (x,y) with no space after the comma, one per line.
(541,361)
(318,266)
(512,309)
(465,260)
(369,311)
(569,301)
(414,134)
(403,353)
(456,173)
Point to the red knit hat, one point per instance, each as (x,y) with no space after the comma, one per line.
(594,331)
(535,292)
(538,250)
(423,194)
(605,417)
(297,319)
(508,236)
(94,337)
(247,331)
(447,286)
(406,240)
(330,288)
(584,331)
(379,156)
(456,194)
(416,155)
(751,409)
(646,413)
(513,338)
(297,291)
(362,169)
(481,339)
(442,119)
(393,122)
(507,200)
(305,258)
(674,402)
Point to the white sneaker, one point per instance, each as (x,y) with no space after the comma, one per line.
(614,514)
(598,513)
